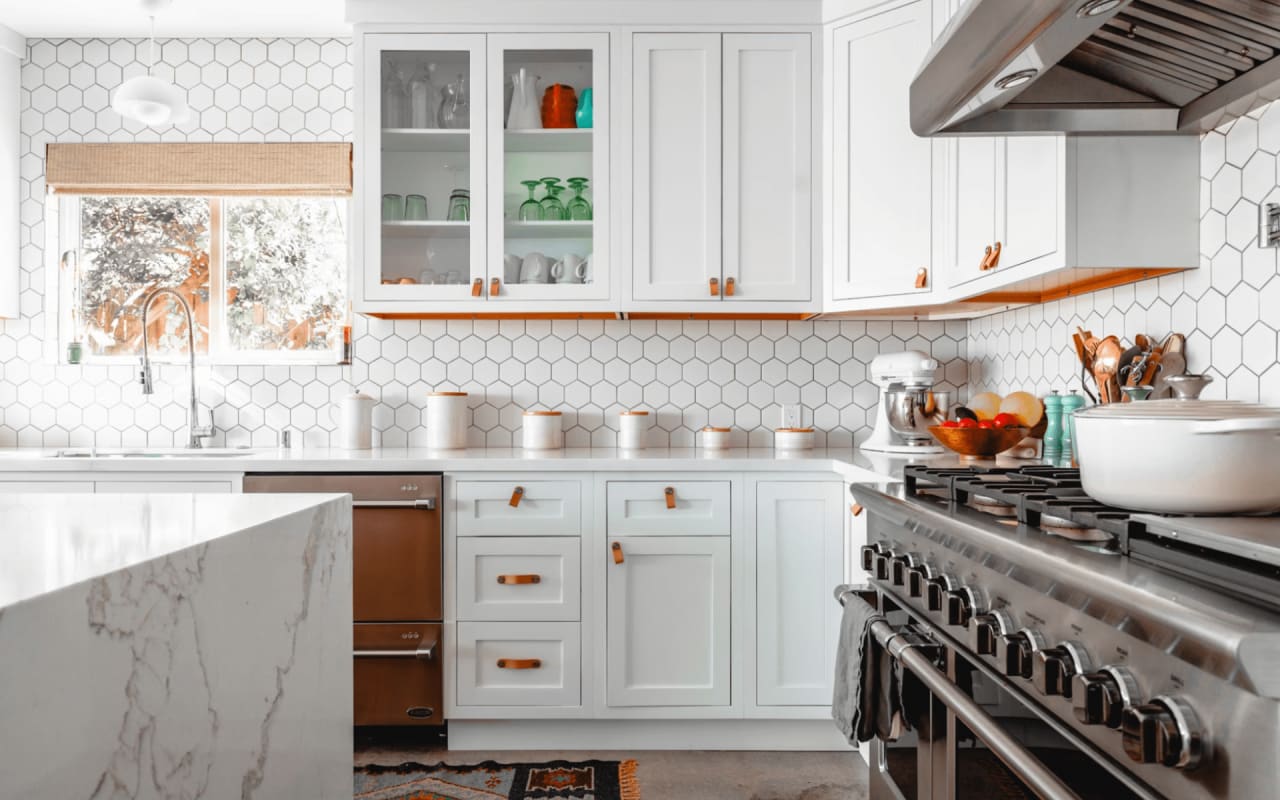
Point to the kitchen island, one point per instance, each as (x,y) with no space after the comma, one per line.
(175,645)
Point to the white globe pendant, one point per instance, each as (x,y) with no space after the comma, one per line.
(151,101)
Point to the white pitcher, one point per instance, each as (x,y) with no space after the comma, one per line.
(525,110)
(354,421)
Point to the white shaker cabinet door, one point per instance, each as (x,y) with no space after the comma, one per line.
(799,560)
(768,167)
(1033,198)
(882,187)
(973,197)
(676,165)
(668,621)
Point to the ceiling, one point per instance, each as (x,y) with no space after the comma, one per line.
(109,18)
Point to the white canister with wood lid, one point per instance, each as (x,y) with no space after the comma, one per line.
(354,421)
(714,438)
(632,428)
(543,430)
(447,420)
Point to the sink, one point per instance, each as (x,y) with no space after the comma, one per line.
(108,452)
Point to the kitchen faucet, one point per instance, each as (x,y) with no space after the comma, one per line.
(194,432)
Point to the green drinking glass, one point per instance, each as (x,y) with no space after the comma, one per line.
(578,208)
(552,208)
(531,209)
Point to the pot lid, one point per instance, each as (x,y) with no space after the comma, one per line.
(1179,409)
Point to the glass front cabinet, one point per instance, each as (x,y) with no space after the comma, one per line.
(482,174)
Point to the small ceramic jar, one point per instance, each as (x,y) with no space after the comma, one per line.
(632,427)
(543,430)
(793,439)
(712,438)
(447,420)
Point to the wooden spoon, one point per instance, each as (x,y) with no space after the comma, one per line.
(1106,365)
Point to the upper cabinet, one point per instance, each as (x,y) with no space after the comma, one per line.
(722,164)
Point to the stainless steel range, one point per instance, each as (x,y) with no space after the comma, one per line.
(1070,649)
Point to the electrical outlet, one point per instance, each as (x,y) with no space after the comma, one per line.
(790,414)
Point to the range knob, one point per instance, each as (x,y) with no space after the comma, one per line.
(1017,652)
(1100,698)
(918,577)
(899,566)
(936,589)
(1054,667)
(961,604)
(1165,731)
(986,631)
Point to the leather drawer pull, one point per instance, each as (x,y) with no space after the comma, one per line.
(519,663)
(507,580)
(516,496)
(617,553)
(494,287)
(922,278)
(856,509)
(715,287)
(477,288)
(729,285)
(985,263)
(670,492)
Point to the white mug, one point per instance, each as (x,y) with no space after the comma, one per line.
(585,269)
(511,268)
(570,269)
(536,268)
(355,422)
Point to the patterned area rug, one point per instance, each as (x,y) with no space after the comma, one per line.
(581,780)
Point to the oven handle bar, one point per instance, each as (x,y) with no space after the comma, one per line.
(1029,769)
(427,653)
(425,504)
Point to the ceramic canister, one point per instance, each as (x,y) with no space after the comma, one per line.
(354,421)
(711,438)
(793,439)
(543,430)
(632,426)
(447,420)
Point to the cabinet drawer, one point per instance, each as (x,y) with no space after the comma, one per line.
(518,508)
(518,578)
(642,507)
(540,664)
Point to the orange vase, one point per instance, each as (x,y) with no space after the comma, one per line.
(559,105)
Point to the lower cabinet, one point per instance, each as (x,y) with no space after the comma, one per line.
(668,621)
(519,664)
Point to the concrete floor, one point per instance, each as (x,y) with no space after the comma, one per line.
(671,774)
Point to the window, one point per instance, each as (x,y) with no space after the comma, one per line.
(265,276)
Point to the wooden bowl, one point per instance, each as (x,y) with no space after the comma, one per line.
(978,442)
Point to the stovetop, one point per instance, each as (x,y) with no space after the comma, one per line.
(1239,555)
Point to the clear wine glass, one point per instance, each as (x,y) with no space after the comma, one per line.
(552,208)
(531,209)
(578,208)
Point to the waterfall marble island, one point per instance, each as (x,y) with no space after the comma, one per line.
(175,645)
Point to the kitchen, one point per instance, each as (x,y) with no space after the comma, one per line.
(597,313)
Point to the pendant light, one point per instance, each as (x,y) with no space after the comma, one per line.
(146,98)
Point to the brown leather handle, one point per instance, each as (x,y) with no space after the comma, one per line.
(670,493)
(517,494)
(519,663)
(995,256)
(616,547)
(715,287)
(508,580)
(985,263)
(856,509)
(477,288)
(922,278)
(495,286)
(729,284)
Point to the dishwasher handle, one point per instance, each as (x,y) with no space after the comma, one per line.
(424,652)
(423,504)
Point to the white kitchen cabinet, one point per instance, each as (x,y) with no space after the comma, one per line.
(519,578)
(518,507)
(669,508)
(722,150)
(799,559)
(163,487)
(883,205)
(13,50)
(46,487)
(668,621)
(519,664)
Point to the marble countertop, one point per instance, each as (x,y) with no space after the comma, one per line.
(49,542)
(851,463)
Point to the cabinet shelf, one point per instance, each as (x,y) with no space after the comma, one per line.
(425,228)
(425,140)
(554,229)
(550,140)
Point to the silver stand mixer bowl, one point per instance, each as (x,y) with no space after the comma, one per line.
(911,410)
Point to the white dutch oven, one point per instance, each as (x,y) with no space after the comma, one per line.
(1181,456)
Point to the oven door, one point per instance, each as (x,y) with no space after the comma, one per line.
(977,738)
(398,675)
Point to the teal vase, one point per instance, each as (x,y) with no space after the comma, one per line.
(584,113)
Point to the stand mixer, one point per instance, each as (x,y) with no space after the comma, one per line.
(908,404)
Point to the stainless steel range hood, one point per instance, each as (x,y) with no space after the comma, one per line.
(1098,66)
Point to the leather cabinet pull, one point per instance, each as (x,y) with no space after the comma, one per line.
(508,580)
(670,493)
(729,284)
(856,509)
(995,256)
(477,288)
(616,548)
(922,278)
(519,663)
(495,286)
(517,495)
(985,263)
(715,287)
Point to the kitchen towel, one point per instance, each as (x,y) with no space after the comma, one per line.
(857,680)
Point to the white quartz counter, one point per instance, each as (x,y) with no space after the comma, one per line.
(52,542)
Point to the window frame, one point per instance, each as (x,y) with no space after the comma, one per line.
(64,211)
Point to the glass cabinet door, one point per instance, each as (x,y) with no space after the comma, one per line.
(548,171)
(423,167)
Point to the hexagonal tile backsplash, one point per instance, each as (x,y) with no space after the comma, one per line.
(690,373)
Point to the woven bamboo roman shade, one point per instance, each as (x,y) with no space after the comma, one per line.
(199,168)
